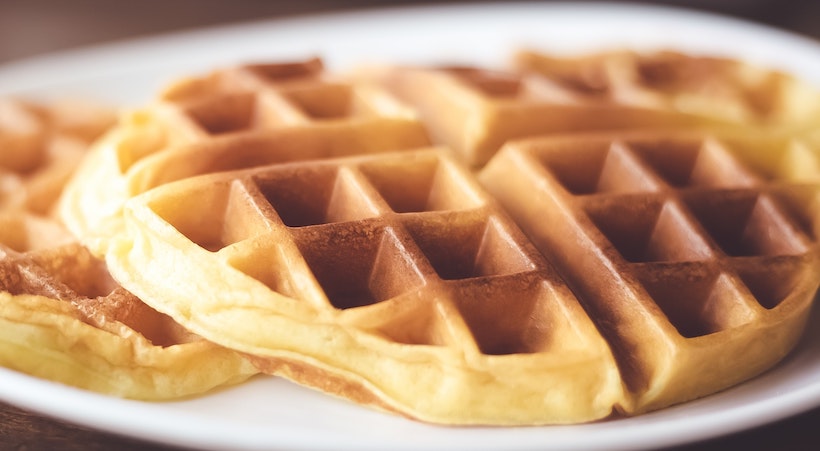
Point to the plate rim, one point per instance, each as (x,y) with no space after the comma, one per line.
(792,403)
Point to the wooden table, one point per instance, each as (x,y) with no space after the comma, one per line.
(37,26)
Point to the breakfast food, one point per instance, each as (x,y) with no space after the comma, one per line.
(391,279)
(394,280)
(475,110)
(601,240)
(236,117)
(724,90)
(62,317)
(687,250)
(41,144)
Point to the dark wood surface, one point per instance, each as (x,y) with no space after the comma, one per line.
(31,27)
(21,430)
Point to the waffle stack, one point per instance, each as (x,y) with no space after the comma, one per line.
(62,316)
(566,240)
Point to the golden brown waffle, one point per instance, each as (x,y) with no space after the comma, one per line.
(390,279)
(63,318)
(475,110)
(696,256)
(41,145)
(727,90)
(237,117)
(393,279)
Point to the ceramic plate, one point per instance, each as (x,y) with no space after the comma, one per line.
(269,413)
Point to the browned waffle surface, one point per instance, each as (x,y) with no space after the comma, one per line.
(476,110)
(285,95)
(695,255)
(42,143)
(65,319)
(390,279)
(238,117)
(725,89)
(665,212)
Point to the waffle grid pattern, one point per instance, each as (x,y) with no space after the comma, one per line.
(39,258)
(690,208)
(21,246)
(666,79)
(410,230)
(256,98)
(649,266)
(704,240)
(264,96)
(65,319)
(234,118)
(476,110)
(41,145)
(704,211)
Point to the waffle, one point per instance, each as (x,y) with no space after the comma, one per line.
(696,255)
(235,117)
(64,319)
(41,145)
(385,279)
(344,254)
(394,280)
(475,110)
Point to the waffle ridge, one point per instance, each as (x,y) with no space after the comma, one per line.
(63,317)
(417,271)
(584,238)
(475,110)
(243,116)
(689,233)
(42,143)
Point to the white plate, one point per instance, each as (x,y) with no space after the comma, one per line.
(269,413)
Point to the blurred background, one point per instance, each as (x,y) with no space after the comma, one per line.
(33,27)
